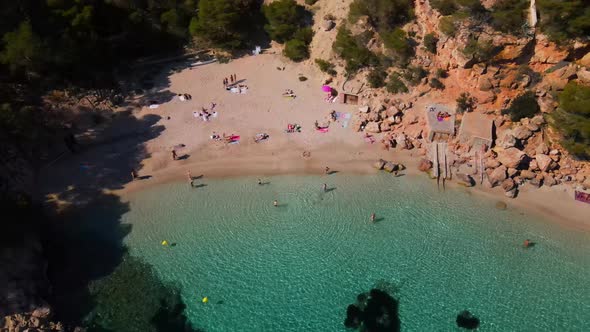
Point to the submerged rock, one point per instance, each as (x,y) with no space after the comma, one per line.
(467,321)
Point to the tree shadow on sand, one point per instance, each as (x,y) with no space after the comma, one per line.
(95,282)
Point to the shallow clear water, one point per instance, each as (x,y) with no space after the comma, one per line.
(296,267)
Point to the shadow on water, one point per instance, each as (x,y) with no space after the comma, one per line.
(376,311)
(95,282)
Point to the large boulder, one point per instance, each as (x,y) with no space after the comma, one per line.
(508,184)
(526,174)
(522,133)
(549,180)
(425,165)
(537,181)
(544,162)
(485,84)
(465,179)
(538,120)
(511,157)
(542,149)
(497,176)
(511,193)
(492,163)
(379,164)
(507,140)
(390,167)
(373,127)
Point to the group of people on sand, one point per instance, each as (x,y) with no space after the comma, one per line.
(232,79)
(260,137)
(205,114)
(289,93)
(184,96)
(293,127)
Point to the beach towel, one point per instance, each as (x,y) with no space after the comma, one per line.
(345,123)
(370,139)
(181,97)
(234,142)
(235,90)
(322,130)
(153,106)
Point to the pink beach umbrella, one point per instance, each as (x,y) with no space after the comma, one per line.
(327,88)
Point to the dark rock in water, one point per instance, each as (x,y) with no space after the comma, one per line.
(467,321)
(353,317)
(380,312)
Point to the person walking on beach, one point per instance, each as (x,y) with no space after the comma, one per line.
(373,217)
(189,177)
(325,187)
(275,203)
(174,156)
(133,174)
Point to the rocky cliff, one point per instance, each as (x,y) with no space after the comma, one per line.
(468,57)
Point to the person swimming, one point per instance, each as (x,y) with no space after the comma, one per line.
(373,217)
(325,187)
(259,181)
(275,203)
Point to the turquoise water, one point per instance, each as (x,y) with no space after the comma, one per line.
(298,266)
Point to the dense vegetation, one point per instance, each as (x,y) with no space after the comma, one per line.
(572,119)
(350,49)
(564,19)
(523,106)
(286,24)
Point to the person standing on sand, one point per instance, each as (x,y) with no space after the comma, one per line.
(275,203)
(189,177)
(174,156)
(133,175)
(373,217)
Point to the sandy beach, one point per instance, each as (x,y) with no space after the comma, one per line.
(263,109)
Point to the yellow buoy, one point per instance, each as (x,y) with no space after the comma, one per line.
(205,299)
(164,243)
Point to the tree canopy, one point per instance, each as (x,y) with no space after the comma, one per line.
(572,119)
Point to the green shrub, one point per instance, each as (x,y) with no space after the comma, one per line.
(565,19)
(523,106)
(465,103)
(447,26)
(384,15)
(479,51)
(397,41)
(395,84)
(440,73)
(450,7)
(445,7)
(296,50)
(376,78)
(572,119)
(435,83)
(414,74)
(284,17)
(430,41)
(356,56)
(509,15)
(326,67)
